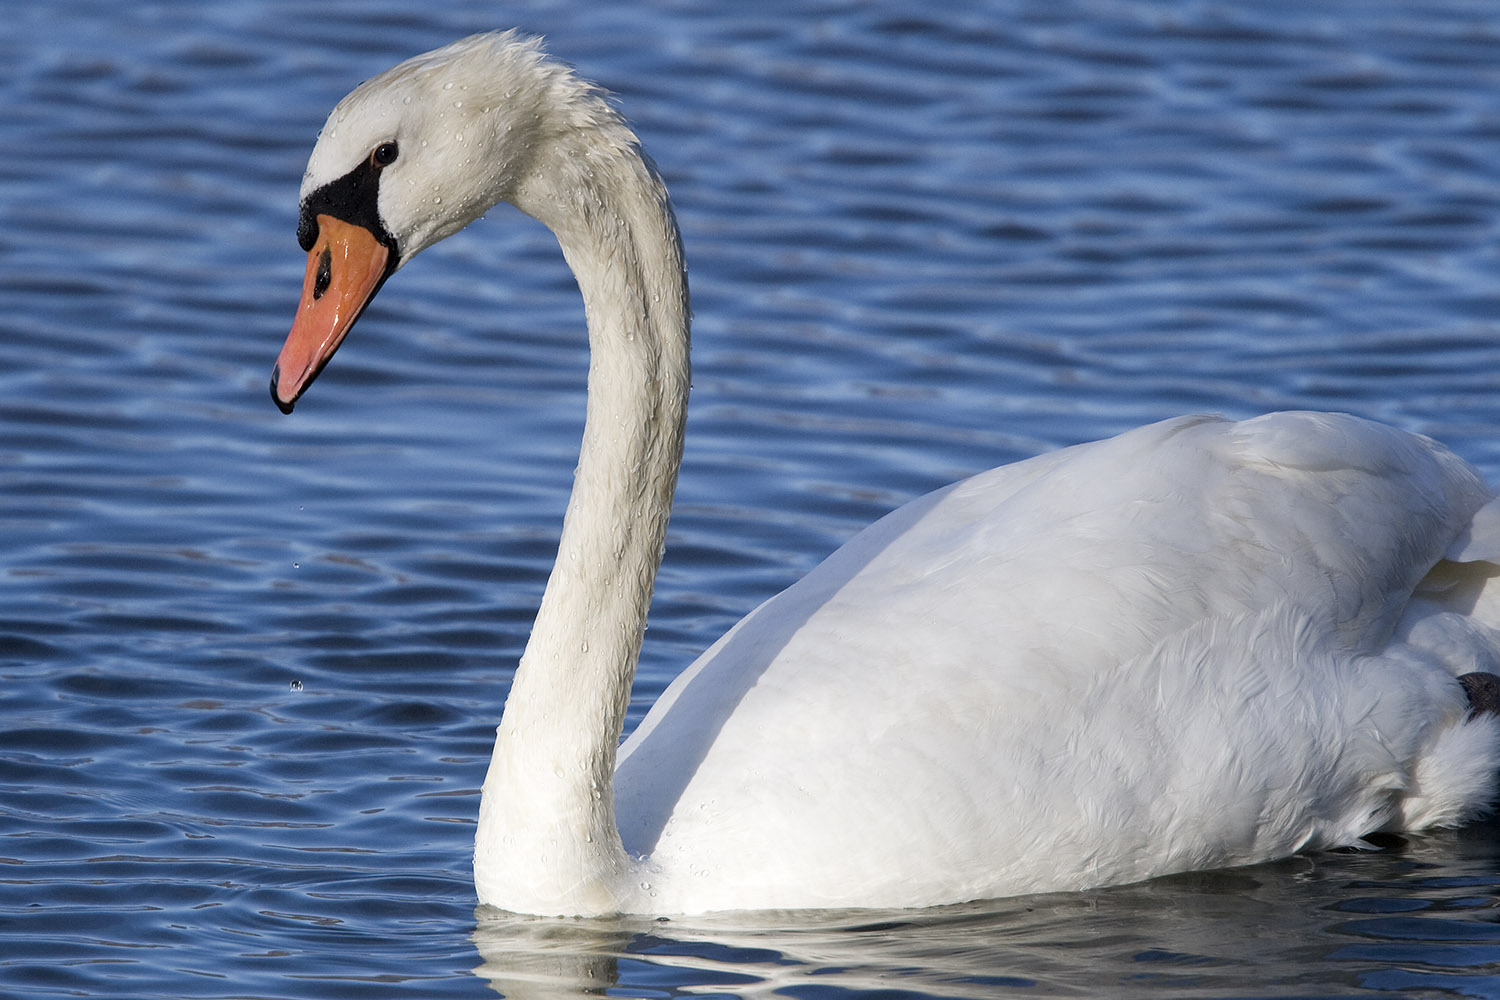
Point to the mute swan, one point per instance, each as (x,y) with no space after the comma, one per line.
(1198,644)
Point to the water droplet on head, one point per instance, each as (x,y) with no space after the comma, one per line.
(296,686)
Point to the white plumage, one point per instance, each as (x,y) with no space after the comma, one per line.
(1188,646)
(1197,644)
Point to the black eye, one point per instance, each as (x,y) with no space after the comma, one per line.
(385,154)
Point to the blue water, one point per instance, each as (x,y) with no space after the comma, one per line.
(250,665)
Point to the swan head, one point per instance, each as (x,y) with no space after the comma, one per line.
(408,158)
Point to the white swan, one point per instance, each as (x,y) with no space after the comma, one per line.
(1198,644)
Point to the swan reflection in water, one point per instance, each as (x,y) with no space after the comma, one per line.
(1311,924)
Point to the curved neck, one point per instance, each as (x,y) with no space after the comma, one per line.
(547,839)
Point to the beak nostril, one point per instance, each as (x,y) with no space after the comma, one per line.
(325,274)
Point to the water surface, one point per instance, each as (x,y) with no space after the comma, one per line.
(250,665)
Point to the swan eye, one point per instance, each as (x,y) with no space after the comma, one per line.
(385,154)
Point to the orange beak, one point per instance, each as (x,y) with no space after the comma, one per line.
(345,268)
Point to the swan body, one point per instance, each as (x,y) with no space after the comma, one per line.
(1198,644)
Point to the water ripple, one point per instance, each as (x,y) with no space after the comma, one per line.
(251,666)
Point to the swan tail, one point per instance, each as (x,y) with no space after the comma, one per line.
(1480,541)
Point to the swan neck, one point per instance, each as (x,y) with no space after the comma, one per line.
(547,840)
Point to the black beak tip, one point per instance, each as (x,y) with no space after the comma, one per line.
(276,396)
